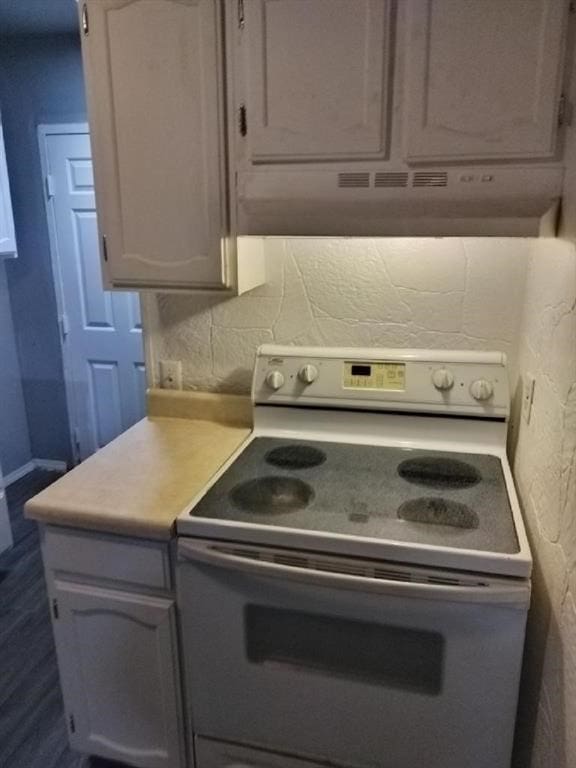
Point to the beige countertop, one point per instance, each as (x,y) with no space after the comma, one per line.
(140,482)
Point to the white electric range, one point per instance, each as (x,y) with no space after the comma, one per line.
(353,584)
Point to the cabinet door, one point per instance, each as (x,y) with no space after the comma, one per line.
(154,73)
(482,78)
(315,79)
(118,669)
(7,236)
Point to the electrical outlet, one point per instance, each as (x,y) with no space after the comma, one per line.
(528,384)
(171,374)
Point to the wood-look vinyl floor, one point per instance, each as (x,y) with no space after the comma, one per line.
(32,728)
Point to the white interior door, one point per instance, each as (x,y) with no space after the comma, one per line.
(102,335)
(7,235)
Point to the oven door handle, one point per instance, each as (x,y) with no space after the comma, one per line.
(493,591)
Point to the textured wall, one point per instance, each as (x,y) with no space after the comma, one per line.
(14,442)
(405,292)
(545,471)
(40,82)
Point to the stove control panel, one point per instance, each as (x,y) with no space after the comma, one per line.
(463,382)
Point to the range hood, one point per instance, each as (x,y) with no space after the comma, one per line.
(401,201)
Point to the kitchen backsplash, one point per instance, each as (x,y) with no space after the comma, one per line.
(459,293)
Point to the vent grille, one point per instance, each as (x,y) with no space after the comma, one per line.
(358,568)
(345,568)
(391,179)
(354,180)
(392,575)
(430,179)
(293,561)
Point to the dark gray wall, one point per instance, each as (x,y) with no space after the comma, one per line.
(40,82)
(14,442)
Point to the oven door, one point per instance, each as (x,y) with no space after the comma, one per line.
(307,655)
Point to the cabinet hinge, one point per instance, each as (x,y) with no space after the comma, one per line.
(72,724)
(564,111)
(55,611)
(85,20)
(104,248)
(240,14)
(242,120)
(49,181)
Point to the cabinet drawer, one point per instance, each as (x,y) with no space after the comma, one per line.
(219,754)
(107,558)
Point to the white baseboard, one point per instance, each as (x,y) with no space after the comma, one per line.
(49,464)
(16,474)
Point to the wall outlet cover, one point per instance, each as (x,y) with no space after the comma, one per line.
(171,374)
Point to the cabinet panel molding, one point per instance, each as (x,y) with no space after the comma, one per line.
(482,79)
(315,79)
(154,75)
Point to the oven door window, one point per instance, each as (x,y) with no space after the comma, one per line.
(396,657)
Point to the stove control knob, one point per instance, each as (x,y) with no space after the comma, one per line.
(275,379)
(481,389)
(308,373)
(443,379)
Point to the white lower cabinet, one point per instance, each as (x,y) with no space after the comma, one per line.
(116,657)
(220,754)
(116,643)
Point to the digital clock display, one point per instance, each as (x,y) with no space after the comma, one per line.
(361,370)
(385,377)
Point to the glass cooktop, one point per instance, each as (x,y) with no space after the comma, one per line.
(425,497)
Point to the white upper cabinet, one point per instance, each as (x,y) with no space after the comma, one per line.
(7,236)
(217,118)
(374,117)
(482,79)
(315,79)
(154,71)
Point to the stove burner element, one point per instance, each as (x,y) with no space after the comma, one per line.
(295,457)
(437,472)
(272,495)
(438,511)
